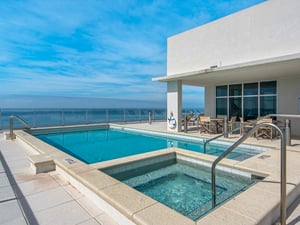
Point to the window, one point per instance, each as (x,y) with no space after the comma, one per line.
(221,106)
(235,90)
(267,88)
(267,105)
(221,91)
(248,100)
(251,89)
(235,107)
(250,108)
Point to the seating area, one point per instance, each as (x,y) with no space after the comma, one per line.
(208,125)
(205,124)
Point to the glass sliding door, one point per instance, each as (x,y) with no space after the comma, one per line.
(250,108)
(268,98)
(267,105)
(235,107)
(221,101)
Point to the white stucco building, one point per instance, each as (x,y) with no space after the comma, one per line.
(248,63)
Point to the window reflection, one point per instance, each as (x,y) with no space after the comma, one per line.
(250,108)
(251,89)
(267,105)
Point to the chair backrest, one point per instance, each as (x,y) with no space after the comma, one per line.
(204,118)
(233,119)
(189,116)
(221,116)
(264,120)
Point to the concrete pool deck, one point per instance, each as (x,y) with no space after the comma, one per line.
(49,198)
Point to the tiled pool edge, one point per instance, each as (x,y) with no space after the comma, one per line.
(141,217)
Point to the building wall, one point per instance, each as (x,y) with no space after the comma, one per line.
(288,101)
(174,103)
(267,30)
(210,101)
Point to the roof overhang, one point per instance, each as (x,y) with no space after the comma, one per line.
(284,67)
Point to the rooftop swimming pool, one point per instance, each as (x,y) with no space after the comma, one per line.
(98,145)
(137,173)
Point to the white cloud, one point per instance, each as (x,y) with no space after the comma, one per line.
(89,47)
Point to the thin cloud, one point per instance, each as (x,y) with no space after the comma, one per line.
(95,48)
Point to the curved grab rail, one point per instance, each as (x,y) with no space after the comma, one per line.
(11,125)
(283,167)
(220,135)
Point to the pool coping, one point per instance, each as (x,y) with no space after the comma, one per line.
(129,206)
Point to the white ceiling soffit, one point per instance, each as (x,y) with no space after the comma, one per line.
(269,69)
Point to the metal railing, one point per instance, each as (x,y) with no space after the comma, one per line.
(283,167)
(285,140)
(11,125)
(59,117)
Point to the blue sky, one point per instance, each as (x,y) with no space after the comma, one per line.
(97,48)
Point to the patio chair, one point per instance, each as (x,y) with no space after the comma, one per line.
(231,123)
(205,124)
(265,131)
(245,126)
(190,119)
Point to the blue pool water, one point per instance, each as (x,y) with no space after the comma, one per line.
(182,186)
(93,146)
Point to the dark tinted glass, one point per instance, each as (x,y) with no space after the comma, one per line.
(235,90)
(267,88)
(250,108)
(251,89)
(221,91)
(235,107)
(267,105)
(221,108)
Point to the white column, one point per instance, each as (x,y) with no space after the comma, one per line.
(174,103)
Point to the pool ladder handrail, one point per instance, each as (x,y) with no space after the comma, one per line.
(11,125)
(283,167)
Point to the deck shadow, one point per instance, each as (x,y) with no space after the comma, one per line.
(22,202)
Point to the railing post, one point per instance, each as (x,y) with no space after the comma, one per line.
(150,118)
(34,118)
(283,179)
(288,132)
(62,118)
(11,125)
(124,116)
(86,117)
(185,125)
(225,127)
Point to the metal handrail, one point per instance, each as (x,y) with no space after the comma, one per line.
(225,134)
(11,125)
(283,167)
